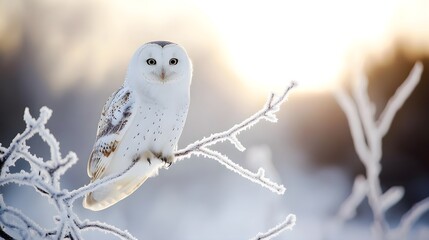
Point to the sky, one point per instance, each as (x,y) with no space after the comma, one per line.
(266,45)
(71,55)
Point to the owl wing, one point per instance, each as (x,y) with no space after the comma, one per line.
(114,121)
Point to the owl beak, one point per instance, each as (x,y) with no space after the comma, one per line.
(163,74)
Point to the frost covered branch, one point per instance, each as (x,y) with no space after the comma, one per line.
(409,219)
(367,134)
(287,224)
(201,146)
(44,176)
(13,219)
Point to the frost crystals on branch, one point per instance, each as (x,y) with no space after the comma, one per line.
(44,176)
(202,146)
(287,224)
(367,134)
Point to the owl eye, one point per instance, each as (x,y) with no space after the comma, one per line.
(173,61)
(151,61)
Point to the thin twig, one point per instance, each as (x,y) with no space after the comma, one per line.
(398,99)
(86,225)
(30,224)
(410,218)
(80,192)
(349,108)
(254,177)
(287,224)
(32,127)
(266,112)
(201,146)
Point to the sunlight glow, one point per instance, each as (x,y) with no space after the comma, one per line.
(264,44)
(306,41)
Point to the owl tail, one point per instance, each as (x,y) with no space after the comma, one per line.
(106,196)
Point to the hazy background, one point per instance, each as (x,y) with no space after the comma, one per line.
(71,55)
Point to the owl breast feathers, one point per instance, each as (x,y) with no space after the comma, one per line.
(141,122)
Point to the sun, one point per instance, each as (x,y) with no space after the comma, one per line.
(274,42)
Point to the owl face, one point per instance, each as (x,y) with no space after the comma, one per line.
(163,62)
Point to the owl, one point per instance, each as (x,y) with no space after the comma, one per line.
(141,122)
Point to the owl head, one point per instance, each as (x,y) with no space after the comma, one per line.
(159,64)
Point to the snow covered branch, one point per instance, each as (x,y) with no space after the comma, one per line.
(14,219)
(44,176)
(409,219)
(201,146)
(367,134)
(287,224)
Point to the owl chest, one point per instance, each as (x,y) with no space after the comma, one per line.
(156,128)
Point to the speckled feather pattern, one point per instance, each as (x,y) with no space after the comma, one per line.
(114,117)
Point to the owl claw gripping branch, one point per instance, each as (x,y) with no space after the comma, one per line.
(142,120)
(167,160)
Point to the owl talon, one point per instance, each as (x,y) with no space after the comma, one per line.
(148,155)
(167,160)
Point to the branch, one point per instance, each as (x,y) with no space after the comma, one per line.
(87,225)
(267,113)
(254,177)
(410,218)
(398,99)
(367,135)
(29,180)
(391,197)
(80,192)
(201,146)
(349,108)
(287,224)
(367,111)
(45,177)
(349,206)
(32,127)
(18,215)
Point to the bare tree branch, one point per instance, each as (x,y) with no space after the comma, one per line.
(398,99)
(409,219)
(99,226)
(80,192)
(11,217)
(367,135)
(44,176)
(349,108)
(258,177)
(287,224)
(201,146)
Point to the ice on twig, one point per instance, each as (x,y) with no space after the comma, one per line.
(233,139)
(409,219)
(287,224)
(348,208)
(202,146)
(391,197)
(45,177)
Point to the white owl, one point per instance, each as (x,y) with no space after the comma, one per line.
(142,120)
